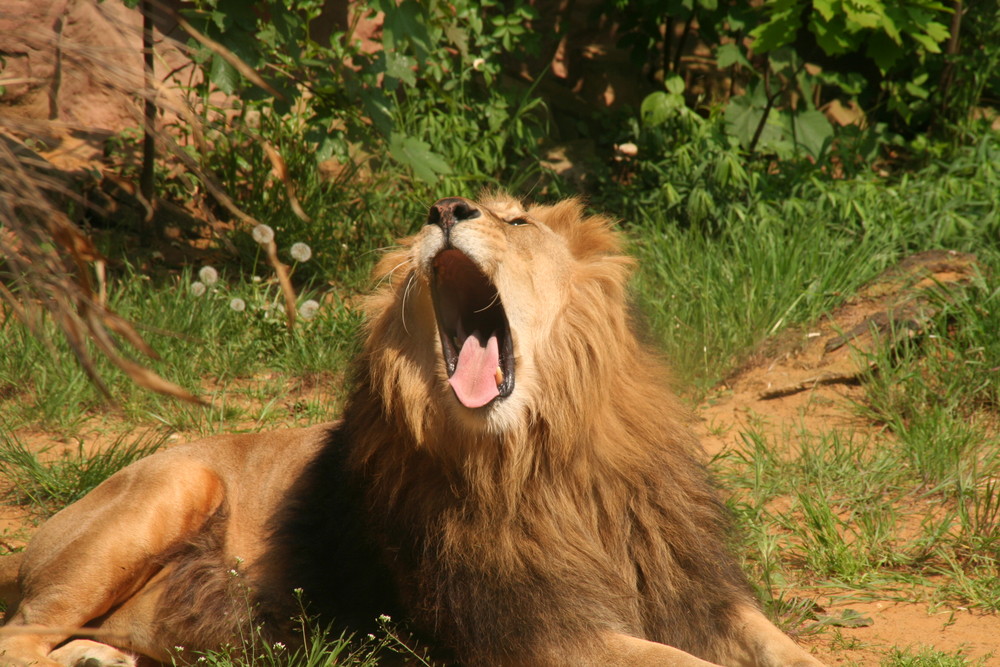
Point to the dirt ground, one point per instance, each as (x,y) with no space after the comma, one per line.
(902,625)
(807,383)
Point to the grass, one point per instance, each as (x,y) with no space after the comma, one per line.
(204,345)
(788,256)
(910,505)
(62,479)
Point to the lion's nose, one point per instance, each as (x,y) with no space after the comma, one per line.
(448,212)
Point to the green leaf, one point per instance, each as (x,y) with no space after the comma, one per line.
(418,156)
(926,41)
(674,84)
(659,107)
(883,51)
(459,37)
(742,119)
(812,131)
(224,75)
(378,107)
(400,66)
(825,9)
(860,15)
(403,23)
(832,37)
(937,31)
(780,29)
(730,54)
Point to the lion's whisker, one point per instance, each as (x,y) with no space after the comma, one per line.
(496,297)
(388,274)
(406,293)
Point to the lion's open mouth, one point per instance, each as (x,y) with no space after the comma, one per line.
(475,335)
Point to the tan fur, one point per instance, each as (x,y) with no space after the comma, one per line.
(567,523)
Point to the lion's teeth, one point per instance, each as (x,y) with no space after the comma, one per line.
(498,376)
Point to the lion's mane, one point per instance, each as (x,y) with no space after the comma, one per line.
(586,511)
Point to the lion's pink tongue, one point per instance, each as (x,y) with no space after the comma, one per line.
(474,379)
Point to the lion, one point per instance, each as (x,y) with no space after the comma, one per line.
(511,478)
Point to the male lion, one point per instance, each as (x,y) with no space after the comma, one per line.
(510,477)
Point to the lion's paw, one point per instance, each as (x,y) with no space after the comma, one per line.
(86,653)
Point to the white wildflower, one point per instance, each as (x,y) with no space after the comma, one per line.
(278,646)
(238,304)
(308,309)
(301,252)
(263,234)
(255,279)
(478,63)
(384,618)
(197,288)
(208,275)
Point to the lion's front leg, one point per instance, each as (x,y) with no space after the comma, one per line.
(756,642)
(625,651)
(611,649)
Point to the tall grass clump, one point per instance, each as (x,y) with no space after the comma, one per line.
(49,483)
(770,250)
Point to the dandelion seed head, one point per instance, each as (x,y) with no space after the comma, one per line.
(238,304)
(263,234)
(198,288)
(301,252)
(308,309)
(208,275)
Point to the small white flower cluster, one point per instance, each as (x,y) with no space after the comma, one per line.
(262,234)
(207,275)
